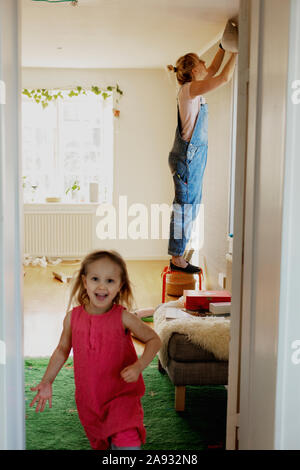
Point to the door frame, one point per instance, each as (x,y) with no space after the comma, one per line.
(12,409)
(257,245)
(238,239)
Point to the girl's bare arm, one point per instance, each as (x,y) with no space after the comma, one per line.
(147,336)
(57,360)
(61,353)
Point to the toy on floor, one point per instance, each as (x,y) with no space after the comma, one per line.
(62,277)
(145,314)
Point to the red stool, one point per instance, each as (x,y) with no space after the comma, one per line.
(168,270)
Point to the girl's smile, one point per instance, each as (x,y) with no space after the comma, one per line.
(102,283)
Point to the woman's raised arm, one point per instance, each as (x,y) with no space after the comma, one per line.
(216,63)
(200,87)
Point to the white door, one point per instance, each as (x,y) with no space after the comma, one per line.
(259,394)
(287,423)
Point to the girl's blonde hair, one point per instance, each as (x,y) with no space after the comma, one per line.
(184,66)
(78,293)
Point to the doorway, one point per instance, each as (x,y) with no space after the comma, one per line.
(151,76)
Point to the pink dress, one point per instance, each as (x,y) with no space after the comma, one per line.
(106,403)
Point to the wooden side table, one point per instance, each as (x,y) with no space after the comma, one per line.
(168,271)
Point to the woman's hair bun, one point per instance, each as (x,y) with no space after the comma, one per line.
(171,68)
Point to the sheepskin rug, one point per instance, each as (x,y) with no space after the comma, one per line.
(211,333)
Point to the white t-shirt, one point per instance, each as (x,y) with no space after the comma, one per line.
(188,110)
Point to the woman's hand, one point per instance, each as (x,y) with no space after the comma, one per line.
(44,394)
(131,373)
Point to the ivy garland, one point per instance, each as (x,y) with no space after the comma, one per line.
(73,2)
(44,97)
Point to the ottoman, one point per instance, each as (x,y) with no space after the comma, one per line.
(190,364)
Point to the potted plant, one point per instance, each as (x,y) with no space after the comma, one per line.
(74,188)
(30,189)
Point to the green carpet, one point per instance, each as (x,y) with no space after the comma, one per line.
(201,426)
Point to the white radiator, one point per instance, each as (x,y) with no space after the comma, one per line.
(58,234)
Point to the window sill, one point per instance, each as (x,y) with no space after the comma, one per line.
(61,206)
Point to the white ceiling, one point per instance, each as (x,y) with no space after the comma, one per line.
(120,33)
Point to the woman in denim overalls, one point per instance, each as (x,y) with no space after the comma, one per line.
(187,159)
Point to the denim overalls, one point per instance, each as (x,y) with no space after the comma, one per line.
(187,161)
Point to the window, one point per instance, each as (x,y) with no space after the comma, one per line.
(67,146)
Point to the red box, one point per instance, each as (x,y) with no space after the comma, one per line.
(200,299)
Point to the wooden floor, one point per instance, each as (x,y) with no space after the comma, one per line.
(46,299)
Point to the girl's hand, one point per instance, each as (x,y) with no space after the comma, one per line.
(131,373)
(44,394)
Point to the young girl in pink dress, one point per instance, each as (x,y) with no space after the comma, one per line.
(107,372)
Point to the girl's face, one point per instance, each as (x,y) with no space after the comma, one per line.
(102,283)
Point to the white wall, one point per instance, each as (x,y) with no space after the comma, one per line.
(144,134)
(216,183)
